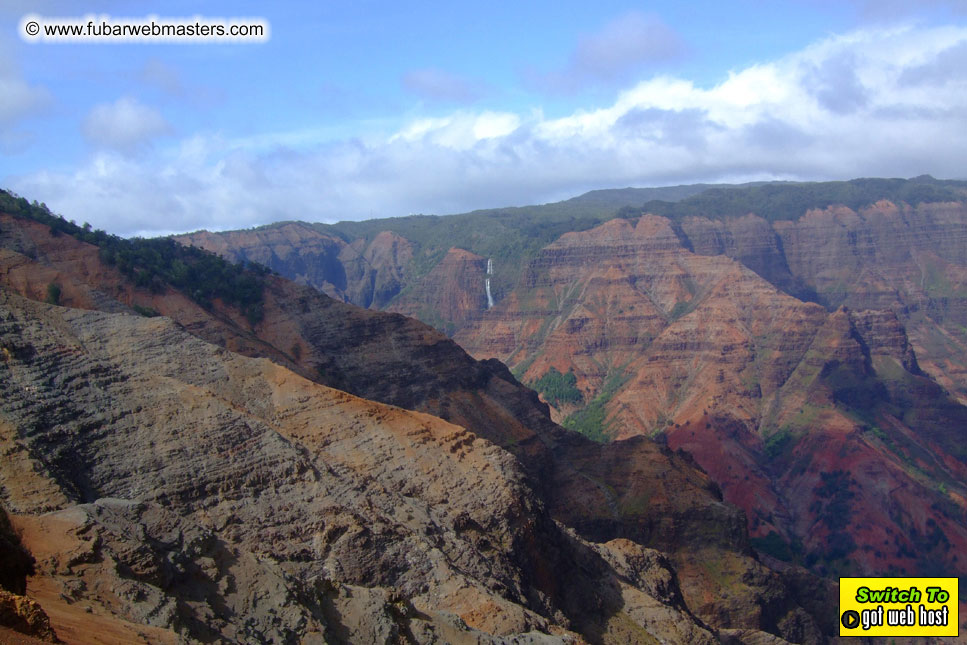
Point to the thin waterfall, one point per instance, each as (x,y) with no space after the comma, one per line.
(490,270)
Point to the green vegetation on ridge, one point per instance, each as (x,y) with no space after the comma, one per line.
(510,236)
(558,388)
(154,263)
(591,421)
(790,200)
(513,236)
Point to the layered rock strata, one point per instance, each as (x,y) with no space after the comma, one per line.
(775,397)
(318,500)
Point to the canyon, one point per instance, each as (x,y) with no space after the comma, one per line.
(822,425)
(805,344)
(178,468)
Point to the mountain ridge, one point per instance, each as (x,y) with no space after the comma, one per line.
(310,337)
(772,336)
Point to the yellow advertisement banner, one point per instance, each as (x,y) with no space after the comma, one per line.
(898,607)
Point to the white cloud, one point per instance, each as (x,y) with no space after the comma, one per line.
(874,102)
(460,131)
(125,125)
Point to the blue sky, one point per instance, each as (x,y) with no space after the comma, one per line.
(375,109)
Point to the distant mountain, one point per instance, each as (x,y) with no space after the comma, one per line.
(188,443)
(346,260)
(621,197)
(806,343)
(358,262)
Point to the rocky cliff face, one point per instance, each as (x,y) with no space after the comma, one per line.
(814,363)
(219,485)
(450,294)
(776,398)
(660,329)
(884,256)
(368,275)
(225,486)
(376,274)
(909,260)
